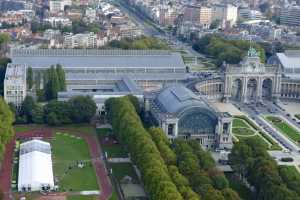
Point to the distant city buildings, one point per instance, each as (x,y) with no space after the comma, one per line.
(58,21)
(290,16)
(56,6)
(87,40)
(227,14)
(15,84)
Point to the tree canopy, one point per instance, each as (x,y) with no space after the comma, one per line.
(6,125)
(138,43)
(230,51)
(250,159)
(54,81)
(144,153)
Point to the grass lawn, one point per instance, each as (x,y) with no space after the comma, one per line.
(81,197)
(285,128)
(66,151)
(292,170)
(239,187)
(84,128)
(120,170)
(255,137)
(243,121)
(240,123)
(242,131)
(114,196)
(113,150)
(23,128)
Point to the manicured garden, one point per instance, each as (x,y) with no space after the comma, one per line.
(285,128)
(237,122)
(68,153)
(243,128)
(242,131)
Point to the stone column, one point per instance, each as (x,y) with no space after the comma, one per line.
(259,90)
(244,90)
(175,130)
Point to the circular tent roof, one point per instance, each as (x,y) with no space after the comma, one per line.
(178,100)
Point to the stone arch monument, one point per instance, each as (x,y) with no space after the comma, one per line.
(252,81)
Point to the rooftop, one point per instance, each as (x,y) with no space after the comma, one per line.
(176,98)
(15,74)
(289,59)
(92,58)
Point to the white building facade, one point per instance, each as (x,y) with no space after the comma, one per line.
(15,84)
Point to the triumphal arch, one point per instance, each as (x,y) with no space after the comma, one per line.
(252,81)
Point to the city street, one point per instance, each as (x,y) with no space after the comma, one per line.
(151,29)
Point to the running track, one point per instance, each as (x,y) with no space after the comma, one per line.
(95,150)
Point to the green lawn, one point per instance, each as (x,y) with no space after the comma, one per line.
(285,128)
(66,151)
(292,170)
(81,197)
(243,121)
(240,123)
(120,170)
(113,150)
(23,128)
(114,196)
(256,137)
(84,128)
(242,131)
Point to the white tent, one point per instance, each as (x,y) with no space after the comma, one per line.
(35,166)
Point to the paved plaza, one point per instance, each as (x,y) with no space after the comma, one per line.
(227,107)
(293,108)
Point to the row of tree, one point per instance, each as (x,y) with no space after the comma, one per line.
(231,51)
(142,42)
(251,161)
(6,125)
(54,80)
(199,167)
(130,131)
(168,155)
(78,109)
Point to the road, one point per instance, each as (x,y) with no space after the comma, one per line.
(152,29)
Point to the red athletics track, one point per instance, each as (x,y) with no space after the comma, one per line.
(95,150)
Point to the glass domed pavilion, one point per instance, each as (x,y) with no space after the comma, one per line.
(181,113)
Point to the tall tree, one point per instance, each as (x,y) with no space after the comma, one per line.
(29,77)
(27,107)
(3,64)
(52,84)
(83,108)
(61,77)
(6,125)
